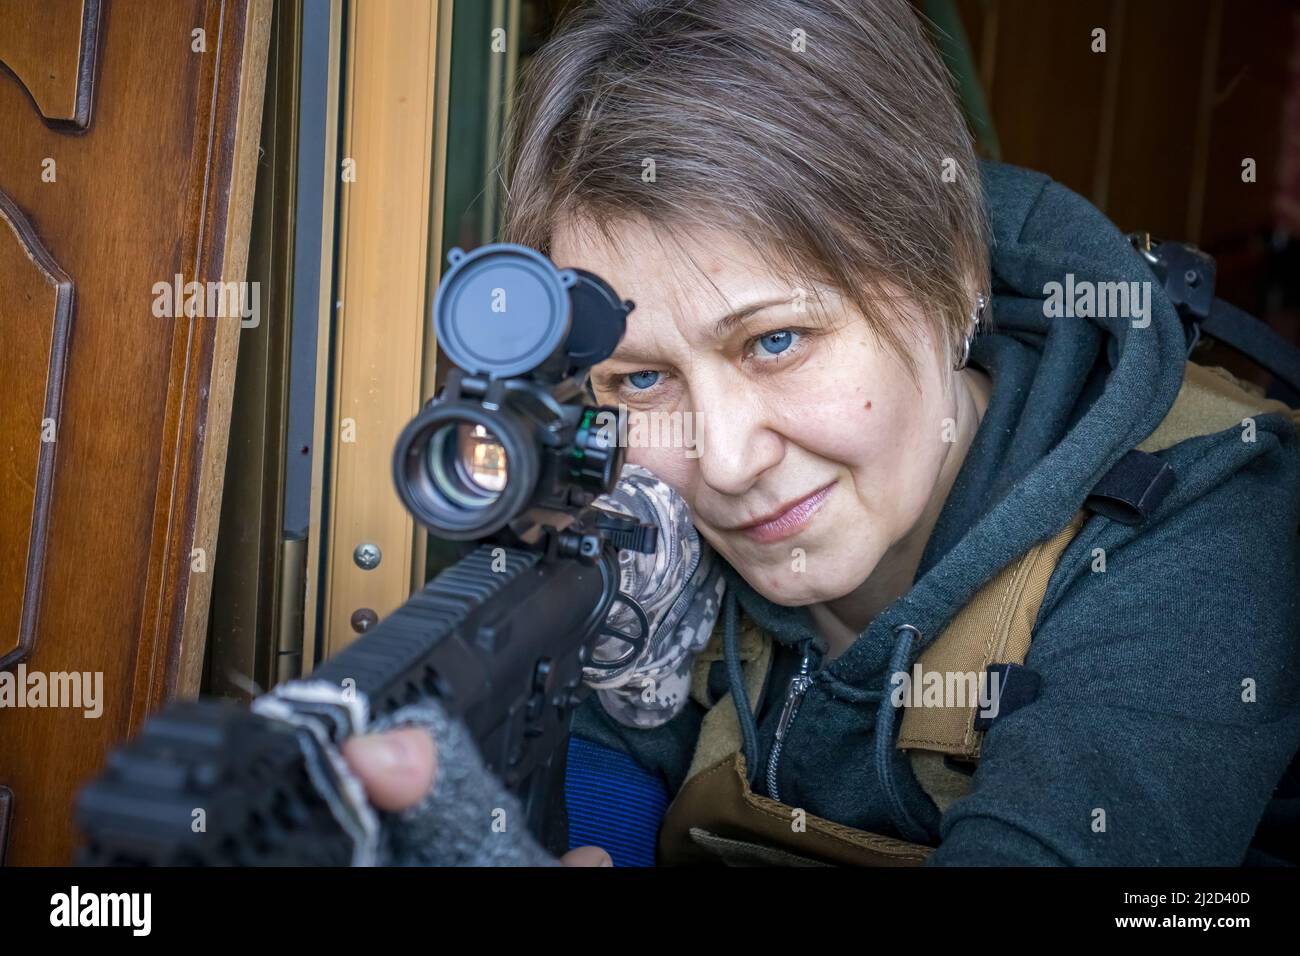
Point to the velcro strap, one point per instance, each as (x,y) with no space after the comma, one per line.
(1132,490)
(1017,686)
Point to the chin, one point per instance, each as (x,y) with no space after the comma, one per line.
(781,584)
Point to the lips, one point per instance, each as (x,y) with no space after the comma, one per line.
(789,520)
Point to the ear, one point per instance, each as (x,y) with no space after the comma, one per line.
(976,286)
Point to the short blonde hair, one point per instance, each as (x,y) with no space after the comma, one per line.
(824,132)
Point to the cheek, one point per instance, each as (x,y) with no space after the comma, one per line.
(669,464)
(901,439)
(851,426)
(889,438)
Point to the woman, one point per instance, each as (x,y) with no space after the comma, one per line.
(788,192)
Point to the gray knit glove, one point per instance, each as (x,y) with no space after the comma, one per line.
(467,818)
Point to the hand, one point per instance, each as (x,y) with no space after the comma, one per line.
(398,767)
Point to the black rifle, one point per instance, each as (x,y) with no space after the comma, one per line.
(509,457)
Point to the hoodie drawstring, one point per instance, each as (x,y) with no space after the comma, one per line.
(736,680)
(898,663)
(900,658)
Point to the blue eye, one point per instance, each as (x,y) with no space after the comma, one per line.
(774,343)
(643,379)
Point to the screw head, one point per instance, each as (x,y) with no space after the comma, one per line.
(363,619)
(367,556)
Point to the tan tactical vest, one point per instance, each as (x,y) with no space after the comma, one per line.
(716,818)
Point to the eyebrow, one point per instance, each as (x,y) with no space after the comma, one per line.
(727,324)
(722,327)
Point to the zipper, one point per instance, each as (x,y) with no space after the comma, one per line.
(683,600)
(797,687)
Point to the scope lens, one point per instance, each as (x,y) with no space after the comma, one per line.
(468,464)
(465,471)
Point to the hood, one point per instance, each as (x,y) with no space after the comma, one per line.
(1071,395)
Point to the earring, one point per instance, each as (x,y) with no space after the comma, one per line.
(977,316)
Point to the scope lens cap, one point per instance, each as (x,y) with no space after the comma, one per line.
(501,310)
(599,320)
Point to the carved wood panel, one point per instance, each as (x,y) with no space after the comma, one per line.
(35,319)
(50,46)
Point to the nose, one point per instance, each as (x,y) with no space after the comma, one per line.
(737,442)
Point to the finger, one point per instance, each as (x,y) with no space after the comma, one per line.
(397,767)
(587,856)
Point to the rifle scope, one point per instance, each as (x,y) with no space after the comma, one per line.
(509,441)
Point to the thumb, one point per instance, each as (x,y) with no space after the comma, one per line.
(397,767)
(587,856)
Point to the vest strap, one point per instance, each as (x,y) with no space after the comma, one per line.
(994,626)
(1016,686)
(1132,490)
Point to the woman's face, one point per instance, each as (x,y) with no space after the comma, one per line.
(815,452)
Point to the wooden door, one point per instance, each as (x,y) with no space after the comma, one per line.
(128,146)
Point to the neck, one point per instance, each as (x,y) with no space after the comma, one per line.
(841,620)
